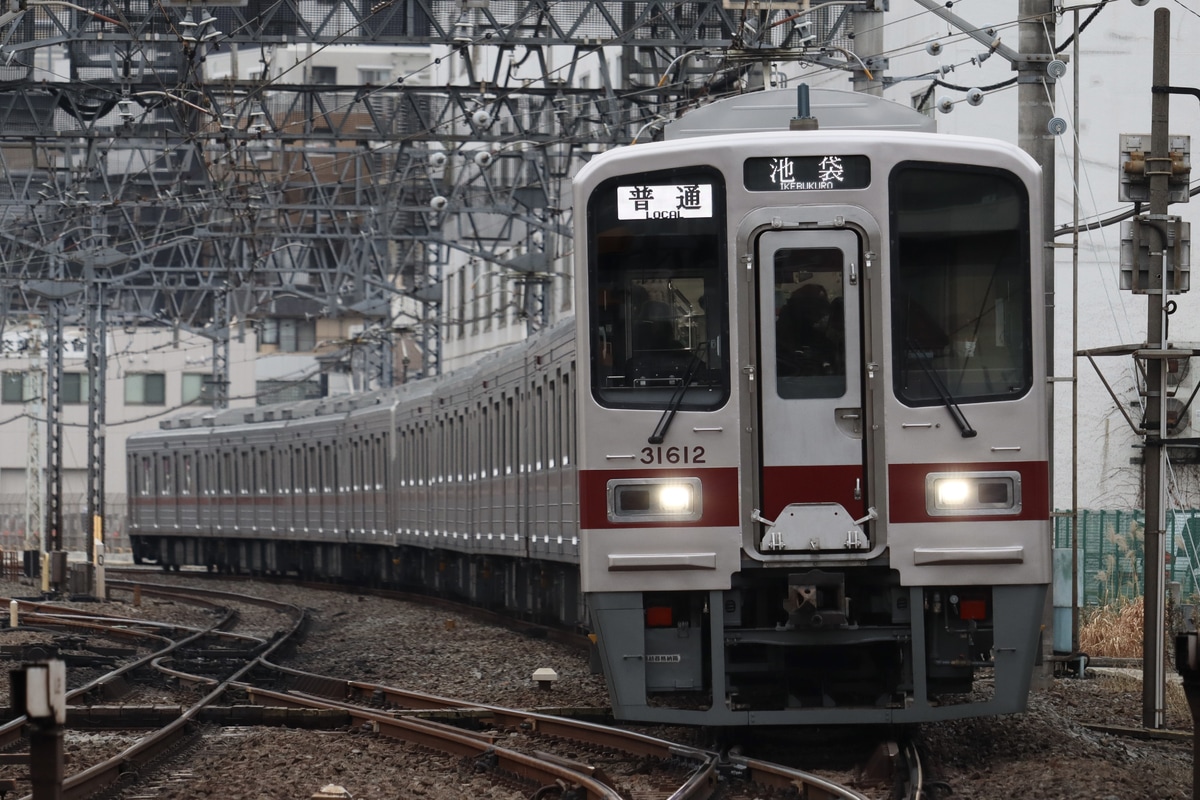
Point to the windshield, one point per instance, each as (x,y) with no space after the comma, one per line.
(961,292)
(658,306)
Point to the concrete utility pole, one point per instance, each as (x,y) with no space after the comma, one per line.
(1158,169)
(34,484)
(1035,110)
(868,44)
(97,360)
(53,538)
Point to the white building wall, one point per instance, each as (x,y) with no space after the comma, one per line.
(136,351)
(295,63)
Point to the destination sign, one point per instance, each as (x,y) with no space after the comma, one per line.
(806,173)
(665,201)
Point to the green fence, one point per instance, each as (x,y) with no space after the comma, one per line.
(1111,552)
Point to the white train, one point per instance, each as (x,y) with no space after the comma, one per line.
(789,466)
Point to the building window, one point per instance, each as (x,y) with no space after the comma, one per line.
(325,76)
(924,102)
(476,289)
(460,288)
(75,387)
(146,389)
(14,385)
(375,76)
(192,387)
(289,335)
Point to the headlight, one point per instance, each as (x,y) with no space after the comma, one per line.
(972,493)
(654,499)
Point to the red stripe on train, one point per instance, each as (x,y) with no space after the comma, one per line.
(718,484)
(906,490)
(827,483)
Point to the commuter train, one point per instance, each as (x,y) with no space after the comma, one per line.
(788,465)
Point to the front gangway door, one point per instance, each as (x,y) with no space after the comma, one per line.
(812,484)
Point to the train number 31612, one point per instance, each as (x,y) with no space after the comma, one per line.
(673,455)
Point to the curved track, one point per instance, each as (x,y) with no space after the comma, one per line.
(223,664)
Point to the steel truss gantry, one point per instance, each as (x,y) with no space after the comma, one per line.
(135,188)
(119,155)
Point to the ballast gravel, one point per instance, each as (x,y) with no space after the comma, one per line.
(1047,752)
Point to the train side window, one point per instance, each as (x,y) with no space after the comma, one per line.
(439,455)
(454,452)
(555,429)
(264,472)
(328,468)
(208,479)
(569,392)
(246,482)
(402,464)
(147,476)
(310,471)
(185,483)
(354,472)
(497,441)
(318,468)
(657,280)
(371,462)
(369,444)
(364,464)
(166,486)
(408,473)
(385,461)
(283,471)
(423,473)
(539,428)
(464,447)
(303,478)
(961,285)
(521,432)
(417,473)
(508,455)
(377,462)
(485,441)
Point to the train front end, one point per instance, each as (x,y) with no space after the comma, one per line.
(813,426)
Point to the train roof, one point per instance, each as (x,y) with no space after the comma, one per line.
(773,111)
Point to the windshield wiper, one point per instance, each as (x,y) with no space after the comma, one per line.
(689,375)
(944,393)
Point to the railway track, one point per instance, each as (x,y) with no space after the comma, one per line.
(228,678)
(403,715)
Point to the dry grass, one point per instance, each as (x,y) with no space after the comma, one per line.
(1175,701)
(1116,632)
(1118,576)
(1113,631)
